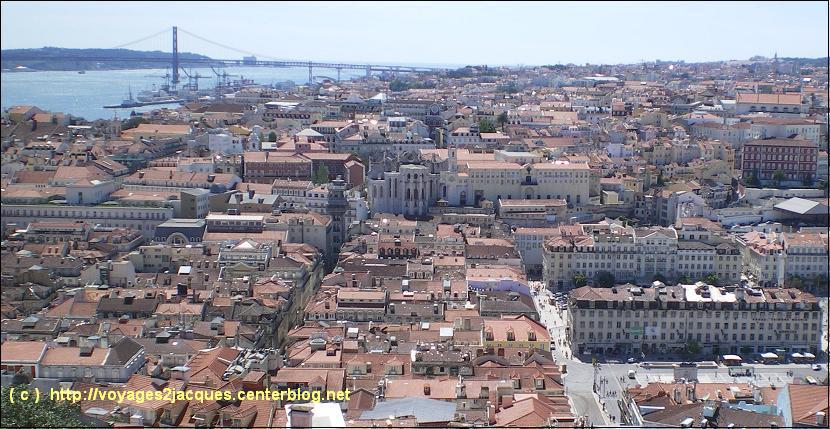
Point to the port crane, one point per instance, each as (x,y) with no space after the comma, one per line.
(192,80)
(222,80)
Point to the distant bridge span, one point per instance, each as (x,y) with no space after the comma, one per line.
(219,62)
(176,61)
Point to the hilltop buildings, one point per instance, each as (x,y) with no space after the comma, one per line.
(390,238)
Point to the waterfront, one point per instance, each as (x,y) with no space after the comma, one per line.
(85,95)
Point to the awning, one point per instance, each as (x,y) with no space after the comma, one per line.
(769,355)
(797,355)
(809,356)
(731,357)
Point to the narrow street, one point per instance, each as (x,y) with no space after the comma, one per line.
(579,378)
(600,406)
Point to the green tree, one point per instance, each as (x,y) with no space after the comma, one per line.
(711,279)
(272,136)
(756,181)
(796,282)
(502,119)
(807,181)
(779,177)
(660,180)
(460,73)
(684,279)
(321,175)
(43,413)
(693,347)
(486,126)
(579,280)
(398,85)
(820,283)
(133,122)
(604,279)
(751,179)
(510,88)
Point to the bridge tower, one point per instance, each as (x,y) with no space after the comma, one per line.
(310,74)
(338,74)
(175,56)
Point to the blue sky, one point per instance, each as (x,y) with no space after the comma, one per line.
(510,33)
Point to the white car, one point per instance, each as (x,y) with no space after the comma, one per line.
(816,367)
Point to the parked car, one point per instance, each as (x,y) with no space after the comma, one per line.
(631,360)
(816,367)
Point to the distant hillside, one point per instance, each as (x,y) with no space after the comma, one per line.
(815,62)
(87,59)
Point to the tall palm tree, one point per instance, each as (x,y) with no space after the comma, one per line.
(502,119)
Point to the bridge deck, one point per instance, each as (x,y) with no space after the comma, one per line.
(220,62)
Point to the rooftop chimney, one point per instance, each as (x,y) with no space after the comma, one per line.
(460,390)
(86,349)
(300,416)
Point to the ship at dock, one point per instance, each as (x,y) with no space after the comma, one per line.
(144,100)
(169,93)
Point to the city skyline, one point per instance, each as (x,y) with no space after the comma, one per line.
(802,31)
(618,215)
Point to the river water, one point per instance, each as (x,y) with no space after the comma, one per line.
(85,95)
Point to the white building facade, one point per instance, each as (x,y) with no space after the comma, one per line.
(673,318)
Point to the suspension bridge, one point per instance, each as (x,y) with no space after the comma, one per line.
(250,59)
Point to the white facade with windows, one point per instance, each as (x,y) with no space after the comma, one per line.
(140,219)
(636,255)
(763,128)
(224,143)
(473,181)
(530,244)
(673,318)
